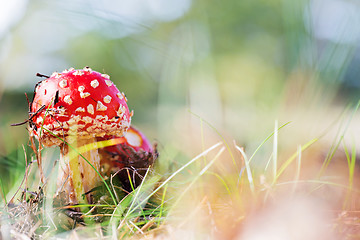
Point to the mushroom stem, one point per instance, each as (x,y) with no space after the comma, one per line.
(90,177)
(76,175)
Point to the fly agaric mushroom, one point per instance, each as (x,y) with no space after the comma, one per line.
(74,107)
(132,156)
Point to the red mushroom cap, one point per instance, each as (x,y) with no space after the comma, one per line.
(78,102)
(135,152)
(130,159)
(134,139)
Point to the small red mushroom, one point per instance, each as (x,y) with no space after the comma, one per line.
(77,106)
(133,156)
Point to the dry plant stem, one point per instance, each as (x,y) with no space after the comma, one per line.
(26,172)
(38,157)
(76,175)
(42,177)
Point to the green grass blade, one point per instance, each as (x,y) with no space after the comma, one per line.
(162,204)
(337,142)
(265,140)
(352,166)
(3,195)
(221,180)
(221,137)
(292,158)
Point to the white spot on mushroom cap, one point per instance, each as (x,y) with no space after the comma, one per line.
(84,94)
(76,124)
(81,88)
(78,73)
(80,109)
(133,139)
(87,119)
(55,75)
(107,99)
(65,125)
(60,111)
(100,106)
(123,94)
(56,125)
(121,110)
(90,109)
(94,83)
(91,129)
(63,83)
(76,118)
(105,76)
(102,118)
(58,132)
(48,126)
(39,120)
(68,70)
(68,99)
(87,69)
(108,83)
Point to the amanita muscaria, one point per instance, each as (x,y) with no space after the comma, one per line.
(131,157)
(77,106)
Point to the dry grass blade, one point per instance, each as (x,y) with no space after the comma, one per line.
(248,169)
(275,150)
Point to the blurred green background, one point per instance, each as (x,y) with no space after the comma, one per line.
(239,64)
